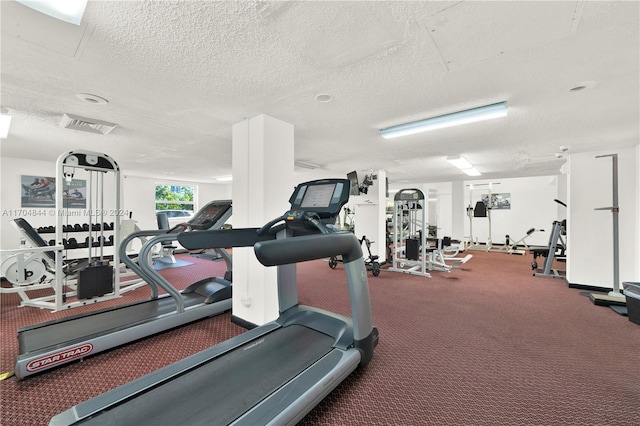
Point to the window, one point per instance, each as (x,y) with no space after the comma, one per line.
(175,200)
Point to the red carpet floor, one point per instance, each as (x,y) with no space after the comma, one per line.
(487,344)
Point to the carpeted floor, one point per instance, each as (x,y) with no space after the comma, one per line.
(487,344)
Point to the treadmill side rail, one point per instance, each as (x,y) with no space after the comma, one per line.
(115,396)
(71,350)
(304,392)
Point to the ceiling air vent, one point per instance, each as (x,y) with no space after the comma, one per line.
(306,165)
(85,124)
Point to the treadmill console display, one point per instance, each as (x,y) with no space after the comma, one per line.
(318,196)
(208,215)
(323,197)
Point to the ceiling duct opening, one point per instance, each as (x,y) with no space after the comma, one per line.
(84,124)
(306,165)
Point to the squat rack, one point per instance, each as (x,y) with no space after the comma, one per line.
(471,213)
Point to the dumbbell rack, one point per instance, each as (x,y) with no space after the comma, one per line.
(71,243)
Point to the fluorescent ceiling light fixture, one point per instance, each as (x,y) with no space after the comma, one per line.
(5,123)
(463,164)
(66,10)
(472,171)
(224,178)
(473,115)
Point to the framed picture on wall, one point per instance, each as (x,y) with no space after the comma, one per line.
(40,191)
(499,201)
(74,194)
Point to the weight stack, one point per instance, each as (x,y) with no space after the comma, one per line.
(95,281)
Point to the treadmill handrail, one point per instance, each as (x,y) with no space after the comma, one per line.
(318,246)
(153,275)
(147,272)
(222,238)
(308,247)
(133,265)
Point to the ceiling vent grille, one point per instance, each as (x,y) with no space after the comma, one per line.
(306,165)
(84,124)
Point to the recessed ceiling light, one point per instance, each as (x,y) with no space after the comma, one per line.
(324,98)
(582,86)
(92,99)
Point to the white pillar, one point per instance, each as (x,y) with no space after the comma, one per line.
(370,217)
(262,184)
(458,211)
(590,234)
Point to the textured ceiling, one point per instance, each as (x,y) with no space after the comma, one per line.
(179,74)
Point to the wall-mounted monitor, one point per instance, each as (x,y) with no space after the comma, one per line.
(355,185)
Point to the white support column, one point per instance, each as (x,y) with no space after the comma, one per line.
(589,239)
(262,183)
(459,211)
(370,217)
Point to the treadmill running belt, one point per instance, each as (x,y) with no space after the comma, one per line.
(81,328)
(219,392)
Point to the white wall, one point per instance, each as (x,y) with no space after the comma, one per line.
(444,216)
(590,232)
(137,197)
(532,206)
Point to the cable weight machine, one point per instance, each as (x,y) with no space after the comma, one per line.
(100,279)
(409,233)
(77,277)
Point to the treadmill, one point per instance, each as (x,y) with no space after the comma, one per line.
(272,374)
(53,343)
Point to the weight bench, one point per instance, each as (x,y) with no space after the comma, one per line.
(555,250)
